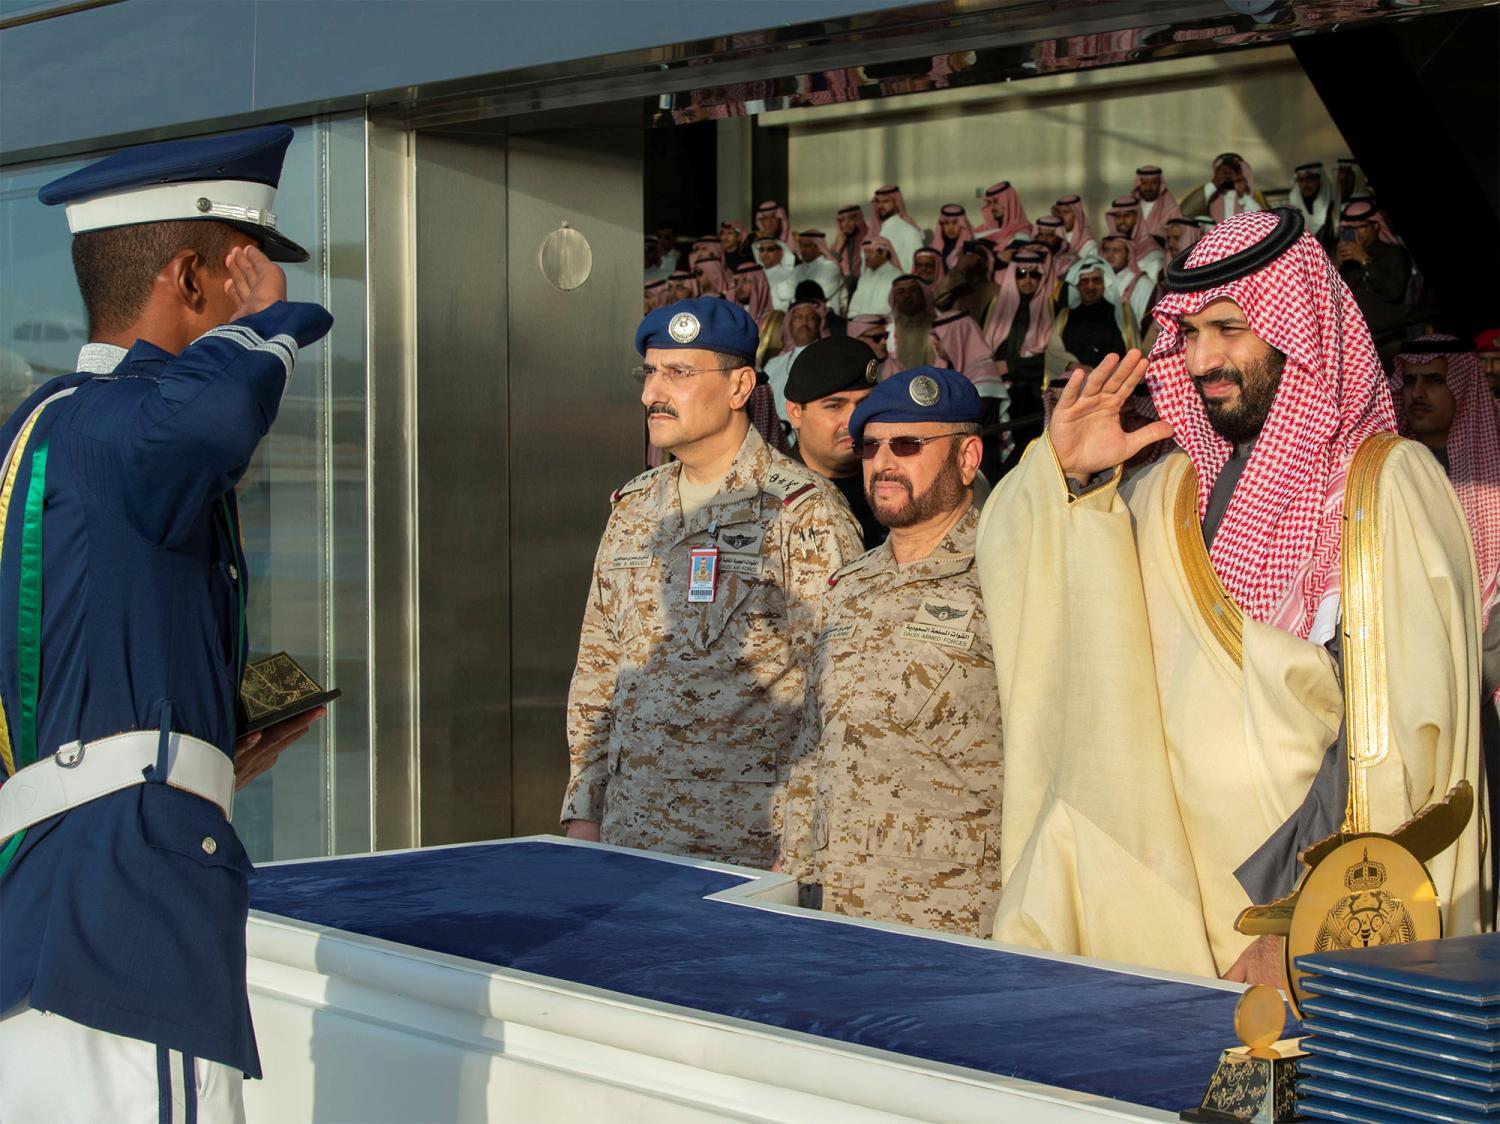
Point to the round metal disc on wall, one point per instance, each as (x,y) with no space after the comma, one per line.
(566,258)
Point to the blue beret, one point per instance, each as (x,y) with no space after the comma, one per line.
(230,179)
(706,323)
(922,394)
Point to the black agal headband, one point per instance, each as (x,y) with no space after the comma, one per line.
(1435,347)
(1182,279)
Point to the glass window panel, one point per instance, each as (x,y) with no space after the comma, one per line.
(303,499)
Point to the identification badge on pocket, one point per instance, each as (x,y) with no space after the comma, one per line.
(703,574)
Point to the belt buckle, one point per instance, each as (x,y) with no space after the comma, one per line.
(69,756)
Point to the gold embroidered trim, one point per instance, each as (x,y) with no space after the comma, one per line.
(1225,619)
(1361,565)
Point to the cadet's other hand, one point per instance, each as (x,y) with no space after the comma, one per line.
(583,829)
(257,752)
(1085,429)
(1260,963)
(255,281)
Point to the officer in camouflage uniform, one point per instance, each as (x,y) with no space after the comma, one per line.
(895,814)
(688,695)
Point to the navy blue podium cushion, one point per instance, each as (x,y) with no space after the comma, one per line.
(636,925)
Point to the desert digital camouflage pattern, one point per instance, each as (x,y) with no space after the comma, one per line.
(682,718)
(896,811)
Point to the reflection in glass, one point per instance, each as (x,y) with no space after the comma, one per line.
(303,498)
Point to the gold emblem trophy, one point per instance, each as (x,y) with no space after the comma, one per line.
(1361,888)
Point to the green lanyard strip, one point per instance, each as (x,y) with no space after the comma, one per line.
(29,629)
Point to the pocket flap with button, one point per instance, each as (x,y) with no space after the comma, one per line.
(188,825)
(921,835)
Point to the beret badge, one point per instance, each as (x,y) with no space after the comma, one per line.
(870,372)
(684,327)
(924,391)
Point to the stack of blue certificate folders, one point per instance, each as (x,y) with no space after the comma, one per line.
(1403,1032)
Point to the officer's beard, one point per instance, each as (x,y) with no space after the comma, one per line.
(942,496)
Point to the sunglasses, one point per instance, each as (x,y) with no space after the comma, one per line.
(1028,273)
(900,446)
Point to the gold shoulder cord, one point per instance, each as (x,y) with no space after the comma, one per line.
(1366,709)
(1225,619)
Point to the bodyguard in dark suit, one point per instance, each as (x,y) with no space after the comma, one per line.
(122,642)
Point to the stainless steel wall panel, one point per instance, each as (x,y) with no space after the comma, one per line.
(391,427)
(575,422)
(463,519)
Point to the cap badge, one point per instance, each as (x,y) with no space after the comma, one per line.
(924,390)
(204,205)
(684,327)
(870,372)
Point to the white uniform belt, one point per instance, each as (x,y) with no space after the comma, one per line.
(79,772)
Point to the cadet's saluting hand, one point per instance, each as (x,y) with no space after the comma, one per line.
(255,281)
(1085,429)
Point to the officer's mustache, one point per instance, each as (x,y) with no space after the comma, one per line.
(890,475)
(660,408)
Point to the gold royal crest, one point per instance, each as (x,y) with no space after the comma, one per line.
(684,327)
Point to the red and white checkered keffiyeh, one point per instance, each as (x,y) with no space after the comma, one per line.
(1277,549)
(1473,454)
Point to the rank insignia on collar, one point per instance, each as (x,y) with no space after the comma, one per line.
(684,327)
(924,391)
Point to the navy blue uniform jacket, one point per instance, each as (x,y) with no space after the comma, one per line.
(114,914)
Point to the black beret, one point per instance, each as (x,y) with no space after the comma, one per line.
(827,366)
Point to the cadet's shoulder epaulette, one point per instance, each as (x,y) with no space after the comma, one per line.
(638,483)
(851,567)
(790,482)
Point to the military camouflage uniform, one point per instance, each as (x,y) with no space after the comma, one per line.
(682,718)
(896,813)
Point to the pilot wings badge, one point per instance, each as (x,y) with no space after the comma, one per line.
(944,612)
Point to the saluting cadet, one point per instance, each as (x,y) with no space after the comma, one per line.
(122,592)
(701,611)
(895,814)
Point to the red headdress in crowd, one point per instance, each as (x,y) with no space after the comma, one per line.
(707,268)
(1130,205)
(783,221)
(1082,233)
(1124,280)
(1192,230)
(1216,199)
(1473,448)
(893,191)
(930,311)
(657,294)
(679,277)
(760,289)
(951,212)
(968,353)
(852,261)
(1005,216)
(1061,259)
(860,326)
(786,321)
(937,256)
(1277,549)
(1008,303)
(1163,210)
(881,243)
